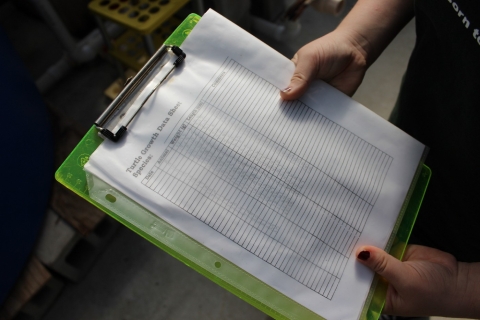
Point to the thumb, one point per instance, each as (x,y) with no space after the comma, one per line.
(304,73)
(390,268)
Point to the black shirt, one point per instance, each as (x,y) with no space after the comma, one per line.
(439,105)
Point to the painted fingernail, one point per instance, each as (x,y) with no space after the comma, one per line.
(364,255)
(287,89)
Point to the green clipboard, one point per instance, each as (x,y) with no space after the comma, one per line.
(200,258)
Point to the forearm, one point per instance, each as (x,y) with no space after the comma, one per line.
(372,24)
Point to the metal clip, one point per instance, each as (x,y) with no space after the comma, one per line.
(109,120)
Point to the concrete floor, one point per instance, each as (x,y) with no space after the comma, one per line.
(133,279)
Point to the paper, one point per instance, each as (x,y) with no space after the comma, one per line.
(285,190)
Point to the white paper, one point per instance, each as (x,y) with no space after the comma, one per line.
(285,190)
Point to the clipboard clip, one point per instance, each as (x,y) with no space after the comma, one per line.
(111,124)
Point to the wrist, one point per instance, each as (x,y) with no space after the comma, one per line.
(467,291)
(362,47)
(372,24)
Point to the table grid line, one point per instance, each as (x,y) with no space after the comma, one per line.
(241,191)
(233,213)
(333,179)
(257,177)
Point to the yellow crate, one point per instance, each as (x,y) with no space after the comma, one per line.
(143,16)
(129,48)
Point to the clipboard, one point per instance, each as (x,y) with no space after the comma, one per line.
(197,256)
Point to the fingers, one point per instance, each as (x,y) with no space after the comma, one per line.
(382,263)
(303,75)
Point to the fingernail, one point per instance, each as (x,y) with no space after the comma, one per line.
(287,89)
(364,255)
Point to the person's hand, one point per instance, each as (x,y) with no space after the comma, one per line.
(335,58)
(426,283)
